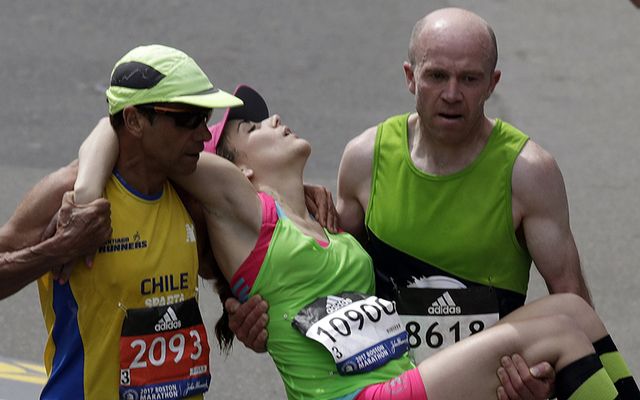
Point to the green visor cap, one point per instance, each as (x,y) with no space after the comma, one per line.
(161,74)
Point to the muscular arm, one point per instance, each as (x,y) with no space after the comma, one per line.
(540,203)
(26,227)
(25,255)
(354,183)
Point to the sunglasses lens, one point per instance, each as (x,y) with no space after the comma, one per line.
(189,120)
(183,119)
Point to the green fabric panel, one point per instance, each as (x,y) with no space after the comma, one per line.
(295,272)
(615,365)
(597,387)
(461,223)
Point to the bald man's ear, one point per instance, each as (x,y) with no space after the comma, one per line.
(409,77)
(134,120)
(495,78)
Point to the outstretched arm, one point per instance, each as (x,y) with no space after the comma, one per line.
(31,246)
(98,154)
(231,208)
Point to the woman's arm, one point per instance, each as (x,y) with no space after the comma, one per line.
(230,205)
(221,188)
(97,157)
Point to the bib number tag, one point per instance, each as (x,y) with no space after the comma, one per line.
(437,318)
(164,353)
(361,332)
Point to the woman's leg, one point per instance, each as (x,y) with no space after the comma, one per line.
(589,322)
(467,370)
(567,304)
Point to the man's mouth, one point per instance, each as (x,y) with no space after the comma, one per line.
(450,116)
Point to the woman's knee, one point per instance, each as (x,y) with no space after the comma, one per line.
(577,308)
(572,304)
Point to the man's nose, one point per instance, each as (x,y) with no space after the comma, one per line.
(202,132)
(451,92)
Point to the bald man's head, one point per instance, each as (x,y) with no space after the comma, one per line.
(453,23)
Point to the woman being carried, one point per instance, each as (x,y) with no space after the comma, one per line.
(330,338)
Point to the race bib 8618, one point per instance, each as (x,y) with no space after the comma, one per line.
(437,318)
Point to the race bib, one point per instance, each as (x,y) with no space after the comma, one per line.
(437,318)
(164,353)
(361,332)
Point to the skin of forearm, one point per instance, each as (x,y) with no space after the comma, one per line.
(82,194)
(21,267)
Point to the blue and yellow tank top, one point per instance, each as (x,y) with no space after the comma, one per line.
(151,260)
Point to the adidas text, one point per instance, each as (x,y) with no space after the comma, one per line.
(167,325)
(444,305)
(444,310)
(169,321)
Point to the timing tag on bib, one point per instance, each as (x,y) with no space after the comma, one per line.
(361,332)
(437,318)
(164,353)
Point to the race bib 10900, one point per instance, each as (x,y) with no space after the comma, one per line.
(437,318)
(164,353)
(361,332)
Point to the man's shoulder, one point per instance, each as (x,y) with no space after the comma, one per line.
(363,144)
(363,141)
(534,158)
(534,170)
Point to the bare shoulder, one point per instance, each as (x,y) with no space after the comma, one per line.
(536,176)
(354,182)
(358,156)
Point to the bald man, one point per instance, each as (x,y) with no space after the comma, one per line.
(452,205)
(446,197)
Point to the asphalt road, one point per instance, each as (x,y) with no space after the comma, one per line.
(331,69)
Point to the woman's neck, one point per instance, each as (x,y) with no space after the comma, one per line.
(289,194)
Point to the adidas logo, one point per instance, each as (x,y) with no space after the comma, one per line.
(168,321)
(444,305)
(334,303)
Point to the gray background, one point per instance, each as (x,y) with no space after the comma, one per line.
(333,68)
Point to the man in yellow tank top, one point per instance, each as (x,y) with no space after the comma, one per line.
(130,326)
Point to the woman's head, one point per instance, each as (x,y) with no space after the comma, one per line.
(254,108)
(253,140)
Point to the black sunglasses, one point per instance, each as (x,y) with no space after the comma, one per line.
(184,118)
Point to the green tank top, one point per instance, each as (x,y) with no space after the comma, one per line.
(457,225)
(295,272)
